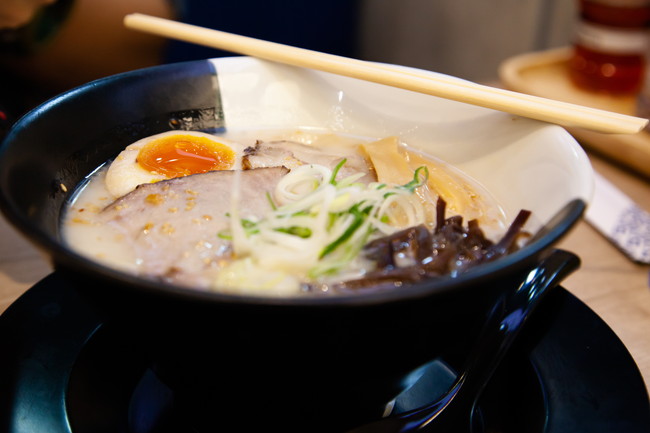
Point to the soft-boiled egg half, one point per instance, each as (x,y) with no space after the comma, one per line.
(169,155)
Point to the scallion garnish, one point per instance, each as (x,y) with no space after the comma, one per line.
(328,223)
(336,170)
(417,181)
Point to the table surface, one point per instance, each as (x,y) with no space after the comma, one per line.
(610,284)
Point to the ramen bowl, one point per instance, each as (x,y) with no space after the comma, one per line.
(330,361)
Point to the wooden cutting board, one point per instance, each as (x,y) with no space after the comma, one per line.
(545,74)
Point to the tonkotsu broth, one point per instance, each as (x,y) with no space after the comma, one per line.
(84,232)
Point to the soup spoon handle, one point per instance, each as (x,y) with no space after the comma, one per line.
(500,331)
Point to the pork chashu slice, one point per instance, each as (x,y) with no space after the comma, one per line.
(173,226)
(292,154)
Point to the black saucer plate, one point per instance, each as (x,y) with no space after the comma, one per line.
(65,369)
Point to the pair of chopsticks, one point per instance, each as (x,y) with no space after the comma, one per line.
(561,113)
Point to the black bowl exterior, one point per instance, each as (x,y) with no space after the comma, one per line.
(296,352)
(54,147)
(290,365)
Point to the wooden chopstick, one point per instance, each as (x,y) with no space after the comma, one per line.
(534,107)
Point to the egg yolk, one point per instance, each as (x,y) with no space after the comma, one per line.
(182,155)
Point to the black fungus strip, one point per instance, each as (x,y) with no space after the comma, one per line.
(416,253)
(507,244)
(441,209)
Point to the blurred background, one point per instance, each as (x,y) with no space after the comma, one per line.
(65,43)
(464,38)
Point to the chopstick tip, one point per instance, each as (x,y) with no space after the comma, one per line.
(129,19)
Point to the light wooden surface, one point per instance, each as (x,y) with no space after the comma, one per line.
(611,285)
(617,289)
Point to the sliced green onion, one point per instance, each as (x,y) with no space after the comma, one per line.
(225,234)
(359,218)
(247,224)
(250,228)
(270,200)
(320,232)
(336,171)
(417,182)
(302,232)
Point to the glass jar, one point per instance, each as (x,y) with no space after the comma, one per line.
(611,46)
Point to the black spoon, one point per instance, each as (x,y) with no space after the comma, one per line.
(453,411)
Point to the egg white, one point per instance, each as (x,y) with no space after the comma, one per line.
(125,174)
